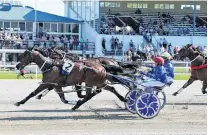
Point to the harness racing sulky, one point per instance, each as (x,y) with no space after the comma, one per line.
(59,69)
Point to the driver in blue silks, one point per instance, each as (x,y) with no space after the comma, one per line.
(158,75)
(168,64)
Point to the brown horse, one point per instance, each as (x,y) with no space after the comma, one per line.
(90,73)
(198,67)
(110,65)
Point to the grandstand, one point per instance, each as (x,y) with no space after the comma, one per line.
(108,28)
(143,22)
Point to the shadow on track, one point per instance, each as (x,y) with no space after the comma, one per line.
(186,104)
(68,110)
(88,117)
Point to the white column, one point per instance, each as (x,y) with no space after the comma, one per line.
(66,6)
(34,30)
(3,58)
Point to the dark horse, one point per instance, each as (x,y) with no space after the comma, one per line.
(110,65)
(198,67)
(90,73)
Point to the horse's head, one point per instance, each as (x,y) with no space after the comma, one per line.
(26,58)
(187,51)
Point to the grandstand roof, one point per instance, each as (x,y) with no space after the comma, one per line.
(20,13)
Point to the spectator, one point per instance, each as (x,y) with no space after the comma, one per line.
(112,43)
(103,43)
(86,44)
(131,44)
(71,43)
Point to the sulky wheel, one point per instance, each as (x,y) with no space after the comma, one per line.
(147,105)
(162,97)
(131,98)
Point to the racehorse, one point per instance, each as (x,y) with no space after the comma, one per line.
(110,65)
(90,73)
(198,67)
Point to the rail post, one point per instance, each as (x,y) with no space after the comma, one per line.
(187,67)
(36,72)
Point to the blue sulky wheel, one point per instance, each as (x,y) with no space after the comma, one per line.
(162,97)
(131,98)
(147,105)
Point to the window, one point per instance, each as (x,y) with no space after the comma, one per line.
(144,5)
(190,7)
(107,4)
(68,28)
(61,28)
(129,5)
(53,27)
(161,6)
(134,5)
(198,7)
(118,4)
(171,6)
(6,25)
(112,4)
(22,26)
(167,6)
(139,5)
(75,28)
(29,26)
(14,25)
(102,4)
(46,27)
(157,6)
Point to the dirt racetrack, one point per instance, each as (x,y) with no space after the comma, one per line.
(185,114)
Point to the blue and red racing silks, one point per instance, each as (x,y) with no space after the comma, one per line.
(158,73)
(169,68)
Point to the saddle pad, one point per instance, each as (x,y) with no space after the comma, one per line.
(67,66)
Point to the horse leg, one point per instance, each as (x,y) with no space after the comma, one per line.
(32,94)
(189,82)
(88,96)
(59,91)
(204,87)
(113,90)
(79,92)
(44,93)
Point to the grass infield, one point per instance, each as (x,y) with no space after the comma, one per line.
(13,75)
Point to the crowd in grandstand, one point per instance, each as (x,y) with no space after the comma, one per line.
(154,27)
(20,41)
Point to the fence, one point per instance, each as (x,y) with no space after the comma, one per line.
(78,46)
(180,68)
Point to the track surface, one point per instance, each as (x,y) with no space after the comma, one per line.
(104,114)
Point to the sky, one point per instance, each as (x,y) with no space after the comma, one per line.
(50,6)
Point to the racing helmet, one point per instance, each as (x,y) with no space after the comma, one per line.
(159,60)
(166,55)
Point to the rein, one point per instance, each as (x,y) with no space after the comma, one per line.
(195,58)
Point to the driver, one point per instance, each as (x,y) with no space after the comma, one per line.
(158,75)
(168,64)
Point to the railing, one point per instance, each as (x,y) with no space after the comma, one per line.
(76,46)
(180,67)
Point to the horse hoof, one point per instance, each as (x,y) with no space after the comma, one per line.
(17,104)
(38,97)
(74,108)
(175,94)
(204,92)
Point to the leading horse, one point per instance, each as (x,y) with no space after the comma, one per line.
(90,73)
(198,67)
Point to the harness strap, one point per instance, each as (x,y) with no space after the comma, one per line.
(198,67)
